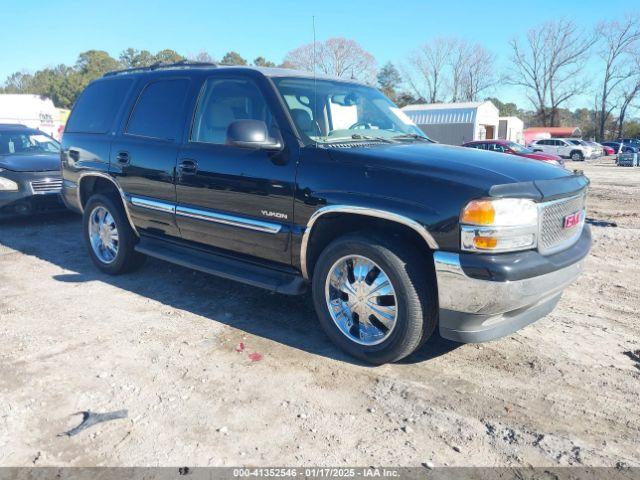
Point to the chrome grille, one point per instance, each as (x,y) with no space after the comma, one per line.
(553,236)
(46,186)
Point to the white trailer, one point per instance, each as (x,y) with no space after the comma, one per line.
(31,110)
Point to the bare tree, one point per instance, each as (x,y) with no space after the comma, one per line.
(427,73)
(339,57)
(458,62)
(618,43)
(548,66)
(202,56)
(630,94)
(478,73)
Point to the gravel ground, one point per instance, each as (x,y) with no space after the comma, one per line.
(217,373)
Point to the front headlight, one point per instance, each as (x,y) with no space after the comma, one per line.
(500,225)
(7,185)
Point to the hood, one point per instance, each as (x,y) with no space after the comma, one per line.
(542,156)
(478,168)
(42,162)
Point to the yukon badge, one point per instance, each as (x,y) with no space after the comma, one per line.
(269,213)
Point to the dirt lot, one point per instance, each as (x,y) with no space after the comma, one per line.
(166,344)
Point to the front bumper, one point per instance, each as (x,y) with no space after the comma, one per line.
(25,201)
(482,298)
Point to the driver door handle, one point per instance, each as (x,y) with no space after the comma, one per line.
(188,167)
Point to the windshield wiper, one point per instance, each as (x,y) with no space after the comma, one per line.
(357,136)
(413,136)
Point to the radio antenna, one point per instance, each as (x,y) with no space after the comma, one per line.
(315,84)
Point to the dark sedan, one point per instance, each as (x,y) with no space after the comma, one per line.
(30,179)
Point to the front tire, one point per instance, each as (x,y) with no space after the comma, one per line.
(577,156)
(375,296)
(109,237)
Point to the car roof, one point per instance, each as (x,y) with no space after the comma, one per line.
(14,126)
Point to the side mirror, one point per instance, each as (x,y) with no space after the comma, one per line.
(251,134)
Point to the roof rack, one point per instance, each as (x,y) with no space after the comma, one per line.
(161,66)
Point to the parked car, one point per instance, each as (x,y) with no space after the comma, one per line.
(633,142)
(30,178)
(596,149)
(512,148)
(564,147)
(281,180)
(608,150)
(619,147)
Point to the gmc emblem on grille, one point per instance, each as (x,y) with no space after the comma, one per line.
(572,220)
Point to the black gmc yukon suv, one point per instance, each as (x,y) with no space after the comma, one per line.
(278,179)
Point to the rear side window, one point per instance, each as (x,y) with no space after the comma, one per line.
(98,105)
(159,111)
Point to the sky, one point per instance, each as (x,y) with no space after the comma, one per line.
(41,33)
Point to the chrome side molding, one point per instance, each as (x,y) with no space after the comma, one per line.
(369,212)
(153,204)
(225,219)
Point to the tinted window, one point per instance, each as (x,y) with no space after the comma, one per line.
(225,101)
(158,113)
(98,105)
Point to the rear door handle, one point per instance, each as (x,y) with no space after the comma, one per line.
(188,167)
(123,157)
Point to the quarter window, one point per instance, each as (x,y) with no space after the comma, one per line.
(159,110)
(96,109)
(224,101)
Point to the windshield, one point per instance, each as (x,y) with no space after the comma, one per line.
(516,147)
(17,142)
(327,111)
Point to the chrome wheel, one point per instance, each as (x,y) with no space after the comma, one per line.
(361,300)
(103,234)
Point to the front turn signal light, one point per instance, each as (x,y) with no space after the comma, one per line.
(479,212)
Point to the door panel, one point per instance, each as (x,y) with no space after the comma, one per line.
(237,199)
(147,180)
(144,155)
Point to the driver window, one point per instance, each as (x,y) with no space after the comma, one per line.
(224,101)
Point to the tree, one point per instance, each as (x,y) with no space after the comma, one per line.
(168,56)
(95,63)
(18,82)
(549,66)
(337,57)
(477,73)
(203,56)
(132,58)
(505,109)
(233,58)
(428,64)
(618,44)
(389,80)
(631,92)
(263,62)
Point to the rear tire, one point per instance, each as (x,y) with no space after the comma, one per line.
(109,237)
(412,280)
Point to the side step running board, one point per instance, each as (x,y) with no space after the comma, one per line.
(223,266)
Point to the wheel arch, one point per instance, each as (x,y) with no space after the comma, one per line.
(99,182)
(321,230)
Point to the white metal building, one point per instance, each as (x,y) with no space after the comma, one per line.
(456,123)
(511,128)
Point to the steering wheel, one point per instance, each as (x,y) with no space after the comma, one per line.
(360,125)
